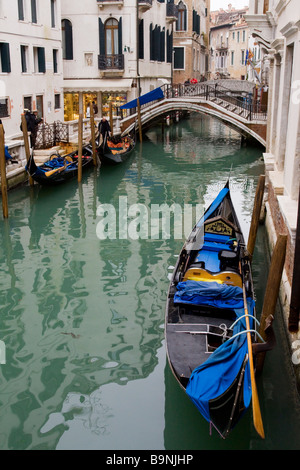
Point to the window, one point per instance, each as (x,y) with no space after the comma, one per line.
(39,60)
(111,36)
(5,57)
(4,110)
(233,35)
(33,11)
(57,101)
(67,39)
(182,15)
(243,57)
(141,39)
(20,10)
(40,105)
(238,36)
(28,102)
(55,63)
(24,58)
(53,13)
(179,58)
(232,58)
(244,35)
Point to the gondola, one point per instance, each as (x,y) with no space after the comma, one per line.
(210,317)
(58,169)
(116,150)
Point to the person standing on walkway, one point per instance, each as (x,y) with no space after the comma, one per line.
(104,128)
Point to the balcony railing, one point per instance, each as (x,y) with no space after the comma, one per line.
(109,62)
(172,10)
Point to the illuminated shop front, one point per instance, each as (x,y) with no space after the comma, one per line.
(74,101)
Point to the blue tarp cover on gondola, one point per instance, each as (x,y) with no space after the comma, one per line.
(215,376)
(209,293)
(151,96)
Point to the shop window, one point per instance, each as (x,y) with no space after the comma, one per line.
(116,99)
(67,39)
(88,98)
(71,106)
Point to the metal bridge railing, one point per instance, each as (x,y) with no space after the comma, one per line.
(243,106)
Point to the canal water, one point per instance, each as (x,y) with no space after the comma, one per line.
(82,316)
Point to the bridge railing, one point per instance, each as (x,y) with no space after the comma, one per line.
(243,106)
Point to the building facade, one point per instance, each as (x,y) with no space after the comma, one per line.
(31,74)
(191,32)
(275,24)
(229,43)
(113,51)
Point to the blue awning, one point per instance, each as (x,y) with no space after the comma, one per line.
(153,95)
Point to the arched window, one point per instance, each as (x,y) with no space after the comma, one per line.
(111,28)
(182,15)
(67,39)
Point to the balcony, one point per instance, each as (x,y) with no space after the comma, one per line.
(144,5)
(111,65)
(171,12)
(102,3)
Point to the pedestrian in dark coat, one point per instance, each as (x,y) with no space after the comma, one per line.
(104,127)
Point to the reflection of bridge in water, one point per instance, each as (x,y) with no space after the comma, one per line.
(243,113)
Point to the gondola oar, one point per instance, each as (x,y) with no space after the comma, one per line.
(61,168)
(257,419)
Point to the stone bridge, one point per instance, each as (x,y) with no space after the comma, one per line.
(243,113)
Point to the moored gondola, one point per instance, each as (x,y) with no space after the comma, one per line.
(210,317)
(116,150)
(59,169)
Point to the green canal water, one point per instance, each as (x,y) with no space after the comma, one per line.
(82,317)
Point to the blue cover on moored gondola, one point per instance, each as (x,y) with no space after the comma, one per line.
(209,293)
(212,378)
(146,98)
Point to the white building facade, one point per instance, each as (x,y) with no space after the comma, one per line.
(113,51)
(276,26)
(31,62)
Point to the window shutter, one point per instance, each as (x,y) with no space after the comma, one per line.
(120,37)
(178,58)
(5,57)
(141,39)
(23,59)
(41,59)
(151,41)
(33,11)
(101,38)
(184,19)
(21,10)
(162,46)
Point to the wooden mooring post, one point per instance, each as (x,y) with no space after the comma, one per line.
(139,119)
(295,295)
(272,291)
(26,143)
(92,124)
(80,131)
(111,120)
(256,214)
(3,174)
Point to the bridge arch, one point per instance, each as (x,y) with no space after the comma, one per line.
(254,129)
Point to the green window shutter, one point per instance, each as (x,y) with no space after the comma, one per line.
(33,11)
(162,46)
(41,59)
(141,39)
(20,10)
(5,57)
(120,37)
(101,38)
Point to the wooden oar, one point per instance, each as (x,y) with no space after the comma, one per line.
(257,419)
(61,168)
